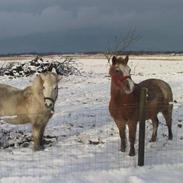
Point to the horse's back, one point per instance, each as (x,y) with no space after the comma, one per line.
(158,89)
(9,97)
(6,89)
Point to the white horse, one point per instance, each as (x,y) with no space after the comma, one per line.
(34,104)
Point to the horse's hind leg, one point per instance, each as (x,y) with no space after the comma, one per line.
(167,113)
(155,123)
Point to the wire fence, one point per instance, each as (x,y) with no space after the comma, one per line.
(85,140)
(166,151)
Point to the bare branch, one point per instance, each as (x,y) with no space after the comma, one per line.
(121,44)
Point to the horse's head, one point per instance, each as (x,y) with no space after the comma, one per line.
(48,85)
(120,74)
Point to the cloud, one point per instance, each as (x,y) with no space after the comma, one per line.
(56,18)
(152,19)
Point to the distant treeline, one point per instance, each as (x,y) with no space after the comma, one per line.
(93,53)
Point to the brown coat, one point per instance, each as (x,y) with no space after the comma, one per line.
(124,108)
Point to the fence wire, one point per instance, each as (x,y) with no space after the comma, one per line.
(87,140)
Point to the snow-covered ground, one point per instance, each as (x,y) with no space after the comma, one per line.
(87,146)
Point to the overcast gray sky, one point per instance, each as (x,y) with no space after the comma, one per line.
(88,25)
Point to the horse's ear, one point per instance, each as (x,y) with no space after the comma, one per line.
(114,60)
(126,60)
(38,81)
(42,76)
(59,78)
(54,70)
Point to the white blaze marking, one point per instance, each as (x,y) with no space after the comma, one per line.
(126,72)
(131,86)
(124,69)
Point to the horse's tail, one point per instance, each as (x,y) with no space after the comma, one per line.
(166,92)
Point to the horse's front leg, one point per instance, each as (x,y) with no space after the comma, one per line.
(132,125)
(122,132)
(37,134)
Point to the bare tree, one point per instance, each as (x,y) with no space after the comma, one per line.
(121,44)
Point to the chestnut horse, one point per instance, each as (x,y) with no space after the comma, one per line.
(124,102)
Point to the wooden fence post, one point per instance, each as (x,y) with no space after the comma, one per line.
(142,114)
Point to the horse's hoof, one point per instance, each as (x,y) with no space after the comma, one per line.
(122,149)
(38,148)
(170,137)
(123,145)
(132,153)
(152,140)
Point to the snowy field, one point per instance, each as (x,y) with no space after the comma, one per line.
(85,145)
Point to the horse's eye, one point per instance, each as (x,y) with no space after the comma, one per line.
(43,87)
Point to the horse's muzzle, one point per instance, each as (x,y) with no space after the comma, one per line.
(49,103)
